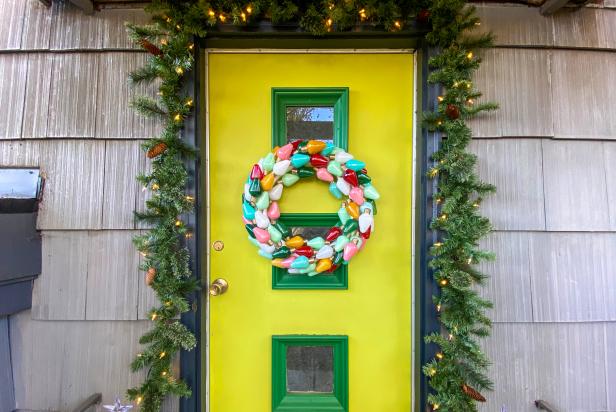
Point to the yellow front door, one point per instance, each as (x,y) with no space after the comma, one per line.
(369,317)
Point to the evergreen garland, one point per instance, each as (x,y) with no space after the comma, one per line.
(458,371)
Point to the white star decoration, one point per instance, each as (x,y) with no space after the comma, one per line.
(118,407)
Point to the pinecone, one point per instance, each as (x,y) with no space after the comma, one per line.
(452,111)
(149,276)
(151,48)
(473,393)
(157,150)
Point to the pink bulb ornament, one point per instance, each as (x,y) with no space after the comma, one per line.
(324,175)
(357,195)
(261,235)
(273,212)
(284,153)
(350,250)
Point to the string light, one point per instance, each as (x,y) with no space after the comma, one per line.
(177,117)
(436,406)
(155,186)
(162,355)
(179,70)
(178,223)
(443,216)
(440,356)
(188,235)
(439,122)
(397,24)
(431,371)
(433,172)
(168,20)
(444,282)
(469,55)
(470,101)
(470,260)
(143,254)
(248,9)
(190,198)
(329,22)
(222,17)
(331,6)
(438,244)
(438,307)
(138,400)
(440,98)
(362,14)
(243,16)
(164,373)
(154,316)
(163,42)
(191,46)
(189,102)
(211,13)
(476,204)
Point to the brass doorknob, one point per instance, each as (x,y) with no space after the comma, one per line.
(218,287)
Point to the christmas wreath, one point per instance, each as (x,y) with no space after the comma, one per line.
(283,167)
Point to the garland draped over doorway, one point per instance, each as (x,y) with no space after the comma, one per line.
(458,371)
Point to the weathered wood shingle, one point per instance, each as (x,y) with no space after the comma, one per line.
(585,28)
(583,85)
(509,283)
(37,26)
(13,69)
(572,276)
(518,80)
(72,102)
(115,35)
(575,186)
(60,291)
(515,166)
(122,159)
(11,23)
(36,109)
(563,364)
(610,366)
(72,29)
(515,25)
(610,177)
(113,276)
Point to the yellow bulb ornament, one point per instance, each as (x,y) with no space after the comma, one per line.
(295,242)
(315,146)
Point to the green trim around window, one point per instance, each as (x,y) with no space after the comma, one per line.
(338,97)
(338,279)
(282,401)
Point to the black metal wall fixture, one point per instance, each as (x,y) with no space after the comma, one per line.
(20,243)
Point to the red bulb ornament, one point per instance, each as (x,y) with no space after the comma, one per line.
(351,177)
(256,172)
(333,233)
(318,161)
(305,251)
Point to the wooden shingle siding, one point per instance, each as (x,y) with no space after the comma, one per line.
(564,364)
(72,29)
(572,276)
(11,23)
(122,124)
(12,94)
(519,80)
(90,275)
(586,28)
(575,186)
(515,166)
(36,107)
(509,286)
(610,177)
(74,187)
(515,25)
(583,84)
(120,187)
(60,291)
(610,366)
(37,26)
(72,100)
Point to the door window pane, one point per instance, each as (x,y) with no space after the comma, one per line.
(308,122)
(310,369)
(309,232)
